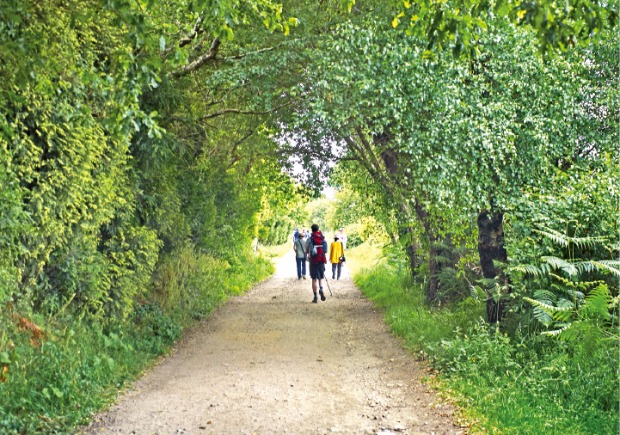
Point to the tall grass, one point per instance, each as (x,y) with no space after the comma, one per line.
(56,371)
(521,384)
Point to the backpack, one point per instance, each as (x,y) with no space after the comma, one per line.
(319,247)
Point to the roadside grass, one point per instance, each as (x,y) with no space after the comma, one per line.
(56,371)
(517,384)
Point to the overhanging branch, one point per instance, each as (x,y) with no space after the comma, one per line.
(210,55)
(245,112)
(241,56)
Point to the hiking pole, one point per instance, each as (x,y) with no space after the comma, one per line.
(330,289)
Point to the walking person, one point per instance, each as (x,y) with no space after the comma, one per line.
(316,247)
(336,257)
(299,246)
(295,234)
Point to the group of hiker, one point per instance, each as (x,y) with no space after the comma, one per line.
(311,246)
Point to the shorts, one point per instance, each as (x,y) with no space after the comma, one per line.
(317,271)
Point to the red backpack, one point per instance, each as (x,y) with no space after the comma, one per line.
(318,248)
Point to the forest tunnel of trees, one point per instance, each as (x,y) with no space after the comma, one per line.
(144,144)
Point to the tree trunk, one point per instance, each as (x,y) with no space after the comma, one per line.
(412,252)
(390,160)
(491,248)
(433,284)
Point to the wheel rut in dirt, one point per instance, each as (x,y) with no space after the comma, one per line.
(271,362)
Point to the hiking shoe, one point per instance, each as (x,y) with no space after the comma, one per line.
(322,294)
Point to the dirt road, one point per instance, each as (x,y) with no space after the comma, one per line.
(270,362)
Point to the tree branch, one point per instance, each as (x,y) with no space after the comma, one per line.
(245,112)
(200,61)
(383,176)
(241,56)
(363,159)
(233,151)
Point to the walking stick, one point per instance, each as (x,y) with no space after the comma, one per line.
(330,289)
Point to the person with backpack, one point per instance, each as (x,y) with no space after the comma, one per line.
(295,234)
(299,246)
(316,248)
(336,256)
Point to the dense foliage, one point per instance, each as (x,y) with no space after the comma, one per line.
(446,140)
(129,201)
(495,172)
(147,148)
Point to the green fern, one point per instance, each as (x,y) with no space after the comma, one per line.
(527,269)
(543,308)
(567,305)
(597,303)
(566,241)
(557,332)
(559,263)
(611,266)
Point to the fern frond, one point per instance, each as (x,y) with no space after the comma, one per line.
(528,269)
(584,285)
(541,311)
(557,332)
(563,280)
(548,307)
(564,311)
(564,240)
(561,289)
(597,302)
(574,294)
(555,236)
(565,304)
(551,309)
(560,263)
(477,292)
(545,296)
(613,263)
(608,265)
(546,268)
(542,316)
(585,266)
(488,283)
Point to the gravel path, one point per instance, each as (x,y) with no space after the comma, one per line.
(270,362)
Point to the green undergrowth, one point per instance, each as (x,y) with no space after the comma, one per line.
(517,383)
(58,369)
